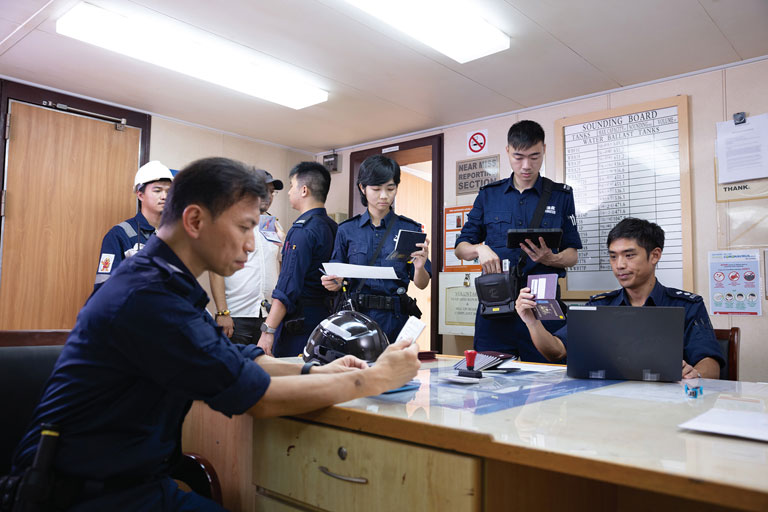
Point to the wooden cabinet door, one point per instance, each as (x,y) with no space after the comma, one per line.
(68,180)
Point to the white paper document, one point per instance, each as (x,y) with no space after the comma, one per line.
(742,150)
(359,271)
(749,424)
(528,367)
(412,329)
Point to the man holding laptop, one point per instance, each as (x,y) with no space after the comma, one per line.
(634,248)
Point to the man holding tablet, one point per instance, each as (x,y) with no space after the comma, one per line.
(511,204)
(634,249)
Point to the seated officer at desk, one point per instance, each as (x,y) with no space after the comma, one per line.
(634,248)
(144,347)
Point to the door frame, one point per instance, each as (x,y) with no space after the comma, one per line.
(36,96)
(436,142)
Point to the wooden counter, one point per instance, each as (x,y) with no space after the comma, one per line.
(610,448)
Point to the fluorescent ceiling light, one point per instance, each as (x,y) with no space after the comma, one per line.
(452,27)
(164,42)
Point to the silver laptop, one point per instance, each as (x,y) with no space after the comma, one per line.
(625,343)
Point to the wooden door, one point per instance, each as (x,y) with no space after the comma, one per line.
(68,180)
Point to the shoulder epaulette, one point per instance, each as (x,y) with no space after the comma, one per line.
(493,184)
(682,294)
(562,187)
(177,279)
(300,223)
(356,217)
(605,295)
(403,217)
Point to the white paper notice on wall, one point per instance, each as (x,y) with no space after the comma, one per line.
(742,150)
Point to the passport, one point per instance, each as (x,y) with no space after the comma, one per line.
(544,289)
(406,244)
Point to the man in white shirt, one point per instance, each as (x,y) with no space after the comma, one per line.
(239,297)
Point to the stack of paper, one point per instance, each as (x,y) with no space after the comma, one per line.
(482,362)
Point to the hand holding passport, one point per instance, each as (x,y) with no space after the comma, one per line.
(544,289)
(406,244)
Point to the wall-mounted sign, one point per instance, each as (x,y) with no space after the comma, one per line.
(474,173)
(477,142)
(455,217)
(734,283)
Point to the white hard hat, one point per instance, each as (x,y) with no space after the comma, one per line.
(149,172)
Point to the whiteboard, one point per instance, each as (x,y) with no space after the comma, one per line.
(628,162)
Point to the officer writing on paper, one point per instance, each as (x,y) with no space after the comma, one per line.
(369,238)
(634,249)
(512,204)
(144,348)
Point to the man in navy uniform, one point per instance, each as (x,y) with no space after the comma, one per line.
(510,204)
(384,300)
(144,347)
(634,249)
(299,300)
(151,185)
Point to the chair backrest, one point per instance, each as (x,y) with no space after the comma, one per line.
(23,374)
(729,345)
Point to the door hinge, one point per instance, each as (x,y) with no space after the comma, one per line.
(7,131)
(2,204)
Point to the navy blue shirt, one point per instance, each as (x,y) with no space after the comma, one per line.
(308,244)
(357,240)
(500,206)
(142,350)
(699,342)
(120,242)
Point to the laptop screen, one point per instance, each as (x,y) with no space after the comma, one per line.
(624,342)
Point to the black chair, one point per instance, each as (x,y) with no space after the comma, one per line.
(729,345)
(26,362)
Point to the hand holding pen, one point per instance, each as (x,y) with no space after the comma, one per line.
(331,283)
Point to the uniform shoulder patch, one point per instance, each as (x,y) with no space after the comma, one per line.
(105,263)
(493,184)
(682,294)
(604,295)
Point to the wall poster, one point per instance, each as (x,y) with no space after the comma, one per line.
(628,162)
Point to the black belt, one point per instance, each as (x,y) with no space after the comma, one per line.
(385,302)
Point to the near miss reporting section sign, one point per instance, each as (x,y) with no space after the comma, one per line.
(474,173)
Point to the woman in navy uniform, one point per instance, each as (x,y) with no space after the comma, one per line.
(384,300)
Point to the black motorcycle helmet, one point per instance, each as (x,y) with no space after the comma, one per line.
(346,332)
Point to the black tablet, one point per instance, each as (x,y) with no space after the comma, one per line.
(552,237)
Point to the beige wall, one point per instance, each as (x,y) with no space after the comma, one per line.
(714,96)
(177,144)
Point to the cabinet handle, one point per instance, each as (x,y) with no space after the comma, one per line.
(353,479)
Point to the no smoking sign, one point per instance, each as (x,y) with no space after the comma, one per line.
(477,142)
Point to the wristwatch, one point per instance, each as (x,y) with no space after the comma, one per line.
(222,313)
(308,366)
(267,329)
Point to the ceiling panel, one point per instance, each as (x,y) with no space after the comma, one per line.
(743,23)
(6,27)
(633,41)
(20,11)
(382,83)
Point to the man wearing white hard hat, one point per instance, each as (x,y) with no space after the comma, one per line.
(151,186)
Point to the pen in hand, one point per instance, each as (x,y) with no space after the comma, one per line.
(326,275)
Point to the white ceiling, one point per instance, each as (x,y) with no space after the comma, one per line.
(382,83)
